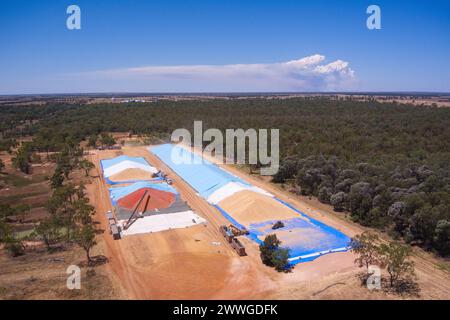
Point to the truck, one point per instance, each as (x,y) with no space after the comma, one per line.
(238,246)
(114,229)
(109,215)
(226,233)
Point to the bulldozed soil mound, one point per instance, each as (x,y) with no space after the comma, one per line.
(249,207)
(131,175)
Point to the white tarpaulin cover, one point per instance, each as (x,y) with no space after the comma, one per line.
(231,188)
(161,222)
(127,164)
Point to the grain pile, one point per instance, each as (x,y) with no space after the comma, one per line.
(130,175)
(305,238)
(155,199)
(249,207)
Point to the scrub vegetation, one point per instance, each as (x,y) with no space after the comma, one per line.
(393,256)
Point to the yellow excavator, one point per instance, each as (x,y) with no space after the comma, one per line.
(236,231)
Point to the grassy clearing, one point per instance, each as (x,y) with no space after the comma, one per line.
(24,233)
(444,266)
(134,143)
(16,198)
(16,180)
(19,181)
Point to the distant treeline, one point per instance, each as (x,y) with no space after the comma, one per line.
(386,164)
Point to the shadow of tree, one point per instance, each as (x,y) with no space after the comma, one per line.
(403,287)
(98,260)
(99,231)
(363,276)
(95,261)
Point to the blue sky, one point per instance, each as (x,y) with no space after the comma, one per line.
(201,46)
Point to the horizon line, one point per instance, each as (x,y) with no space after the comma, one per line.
(227,93)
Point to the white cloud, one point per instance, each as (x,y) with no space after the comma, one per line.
(306,74)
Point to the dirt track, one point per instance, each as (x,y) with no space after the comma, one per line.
(186,264)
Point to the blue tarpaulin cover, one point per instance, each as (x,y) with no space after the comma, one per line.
(306,238)
(204,176)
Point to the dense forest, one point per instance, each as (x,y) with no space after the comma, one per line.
(388,165)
